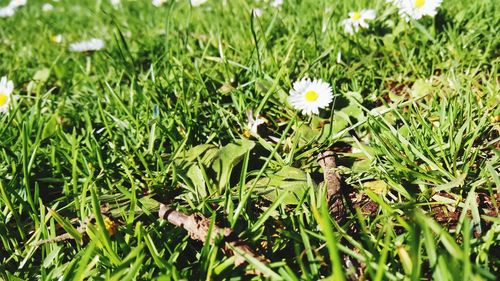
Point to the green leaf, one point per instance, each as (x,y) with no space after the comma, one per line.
(378,186)
(334,128)
(50,127)
(353,110)
(457,182)
(289,180)
(420,88)
(228,157)
(204,151)
(361,166)
(354,97)
(42,75)
(307,133)
(196,176)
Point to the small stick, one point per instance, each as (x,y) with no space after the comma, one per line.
(197,227)
(332,180)
(334,195)
(66,236)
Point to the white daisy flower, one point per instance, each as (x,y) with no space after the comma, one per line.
(196,3)
(357,20)
(158,3)
(257,12)
(17,3)
(6,88)
(47,7)
(93,44)
(416,9)
(253,123)
(57,39)
(7,12)
(310,95)
(276,3)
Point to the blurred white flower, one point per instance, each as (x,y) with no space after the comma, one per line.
(93,44)
(257,12)
(276,3)
(416,9)
(395,2)
(10,9)
(114,2)
(6,88)
(7,12)
(357,20)
(310,95)
(158,3)
(17,3)
(196,3)
(47,7)
(57,39)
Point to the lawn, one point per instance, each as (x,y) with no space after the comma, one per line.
(249,140)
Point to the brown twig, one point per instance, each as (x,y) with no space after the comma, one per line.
(198,227)
(336,206)
(80,229)
(332,181)
(66,236)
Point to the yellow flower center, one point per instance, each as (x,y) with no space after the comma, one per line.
(3,99)
(110,225)
(357,15)
(419,3)
(311,96)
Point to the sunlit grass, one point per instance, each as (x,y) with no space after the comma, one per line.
(159,115)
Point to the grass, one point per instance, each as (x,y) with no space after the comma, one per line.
(159,116)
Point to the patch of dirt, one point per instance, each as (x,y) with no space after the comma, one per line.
(447,215)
